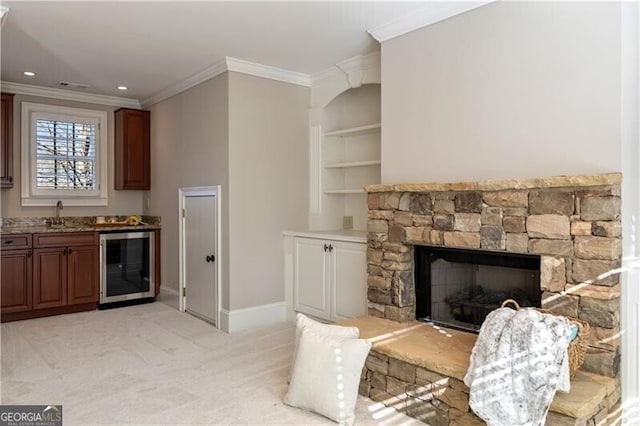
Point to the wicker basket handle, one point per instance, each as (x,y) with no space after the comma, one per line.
(512,302)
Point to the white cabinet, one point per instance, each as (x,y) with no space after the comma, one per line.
(311,278)
(349,280)
(329,278)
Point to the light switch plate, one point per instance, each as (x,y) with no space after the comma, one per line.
(347,222)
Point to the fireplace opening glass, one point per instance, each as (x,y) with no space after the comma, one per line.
(458,288)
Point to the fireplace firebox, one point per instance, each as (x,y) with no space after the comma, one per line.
(458,287)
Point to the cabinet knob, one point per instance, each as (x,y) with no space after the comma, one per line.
(326,247)
(330,248)
(29,254)
(70,251)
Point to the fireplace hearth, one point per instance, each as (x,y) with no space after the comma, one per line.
(458,288)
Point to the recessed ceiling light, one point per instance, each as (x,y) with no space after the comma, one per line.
(122,87)
(29,73)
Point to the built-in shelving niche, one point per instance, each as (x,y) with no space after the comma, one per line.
(348,154)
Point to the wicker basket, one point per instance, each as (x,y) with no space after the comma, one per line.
(577,347)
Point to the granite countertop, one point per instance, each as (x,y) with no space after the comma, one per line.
(72,224)
(6,230)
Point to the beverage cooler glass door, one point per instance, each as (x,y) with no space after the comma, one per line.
(127,269)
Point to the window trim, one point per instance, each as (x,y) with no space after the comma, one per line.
(31,195)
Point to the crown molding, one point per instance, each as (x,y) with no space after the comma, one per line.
(4,11)
(49,92)
(204,75)
(229,64)
(435,12)
(357,63)
(266,71)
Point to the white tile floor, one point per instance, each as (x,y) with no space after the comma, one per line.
(151,364)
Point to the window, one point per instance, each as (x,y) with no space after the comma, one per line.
(63,155)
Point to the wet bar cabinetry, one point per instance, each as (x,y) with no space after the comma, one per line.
(6,141)
(16,260)
(48,274)
(132,149)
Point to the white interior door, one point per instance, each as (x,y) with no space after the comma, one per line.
(200,258)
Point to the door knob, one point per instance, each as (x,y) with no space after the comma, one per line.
(210,258)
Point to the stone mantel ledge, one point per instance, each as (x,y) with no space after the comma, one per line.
(499,185)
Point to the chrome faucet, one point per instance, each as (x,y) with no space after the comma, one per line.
(57,221)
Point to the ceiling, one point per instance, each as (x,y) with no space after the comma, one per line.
(152,46)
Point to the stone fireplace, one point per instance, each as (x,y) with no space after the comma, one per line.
(572,223)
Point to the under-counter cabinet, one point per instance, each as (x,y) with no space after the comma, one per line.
(65,269)
(132,149)
(6,141)
(15,273)
(329,278)
(58,275)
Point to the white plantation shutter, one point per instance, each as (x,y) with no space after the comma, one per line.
(65,155)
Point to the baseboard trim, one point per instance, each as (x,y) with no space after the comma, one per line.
(256,316)
(169,291)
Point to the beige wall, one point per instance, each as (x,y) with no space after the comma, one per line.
(516,89)
(120,202)
(511,89)
(189,147)
(268,158)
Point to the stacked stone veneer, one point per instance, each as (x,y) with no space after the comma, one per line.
(573,223)
(439,400)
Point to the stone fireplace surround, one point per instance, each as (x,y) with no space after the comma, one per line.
(572,222)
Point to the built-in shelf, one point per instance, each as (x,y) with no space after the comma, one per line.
(352,164)
(345,156)
(355,131)
(344,191)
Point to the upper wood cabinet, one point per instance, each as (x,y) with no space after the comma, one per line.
(6,141)
(132,149)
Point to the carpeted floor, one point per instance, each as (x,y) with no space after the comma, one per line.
(151,364)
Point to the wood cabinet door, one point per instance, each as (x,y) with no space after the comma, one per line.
(311,277)
(132,149)
(49,277)
(15,280)
(349,279)
(82,274)
(6,141)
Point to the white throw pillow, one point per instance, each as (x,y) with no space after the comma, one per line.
(326,375)
(303,322)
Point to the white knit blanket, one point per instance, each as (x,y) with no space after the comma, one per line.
(516,365)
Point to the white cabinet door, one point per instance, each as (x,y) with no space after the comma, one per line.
(349,290)
(311,277)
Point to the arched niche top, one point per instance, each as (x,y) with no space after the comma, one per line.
(333,84)
(353,107)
